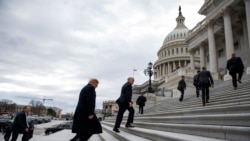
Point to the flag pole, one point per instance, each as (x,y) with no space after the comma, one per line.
(134,71)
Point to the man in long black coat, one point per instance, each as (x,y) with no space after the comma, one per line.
(85,122)
(141,102)
(125,103)
(196,84)
(235,66)
(20,124)
(205,80)
(182,87)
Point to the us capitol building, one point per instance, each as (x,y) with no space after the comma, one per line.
(224,30)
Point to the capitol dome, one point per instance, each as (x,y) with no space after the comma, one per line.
(173,54)
(180,32)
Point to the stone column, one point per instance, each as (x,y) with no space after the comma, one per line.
(164,69)
(213,61)
(192,59)
(228,33)
(247,7)
(185,63)
(228,37)
(202,57)
(169,68)
(174,66)
(161,70)
(157,71)
(245,48)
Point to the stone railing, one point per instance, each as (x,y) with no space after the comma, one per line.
(196,29)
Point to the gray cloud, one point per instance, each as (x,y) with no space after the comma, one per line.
(51,48)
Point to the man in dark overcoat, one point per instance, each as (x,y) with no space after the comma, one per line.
(20,124)
(141,102)
(196,84)
(182,87)
(235,66)
(85,122)
(205,80)
(125,103)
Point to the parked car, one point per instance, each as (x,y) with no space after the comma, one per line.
(59,127)
(4,122)
(39,119)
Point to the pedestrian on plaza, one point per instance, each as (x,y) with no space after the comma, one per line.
(85,122)
(20,124)
(196,84)
(125,103)
(31,129)
(141,100)
(235,66)
(206,80)
(182,87)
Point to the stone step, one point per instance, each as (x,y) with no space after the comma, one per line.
(198,103)
(213,131)
(194,100)
(217,119)
(223,109)
(159,135)
(124,136)
(66,135)
(214,97)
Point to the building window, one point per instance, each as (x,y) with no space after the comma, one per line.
(221,52)
(177,50)
(181,50)
(186,50)
(168,52)
(172,51)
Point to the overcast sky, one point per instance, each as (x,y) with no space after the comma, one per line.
(52,47)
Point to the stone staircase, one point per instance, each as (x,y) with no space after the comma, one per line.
(226,117)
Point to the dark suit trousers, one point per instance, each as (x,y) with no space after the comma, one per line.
(234,77)
(14,136)
(205,94)
(141,109)
(25,136)
(197,91)
(182,94)
(121,111)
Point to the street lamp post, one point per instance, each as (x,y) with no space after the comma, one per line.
(149,71)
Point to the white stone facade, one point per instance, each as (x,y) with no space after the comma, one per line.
(224,30)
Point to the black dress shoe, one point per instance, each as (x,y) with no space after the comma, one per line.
(129,126)
(116,130)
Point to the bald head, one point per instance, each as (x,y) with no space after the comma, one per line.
(131,80)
